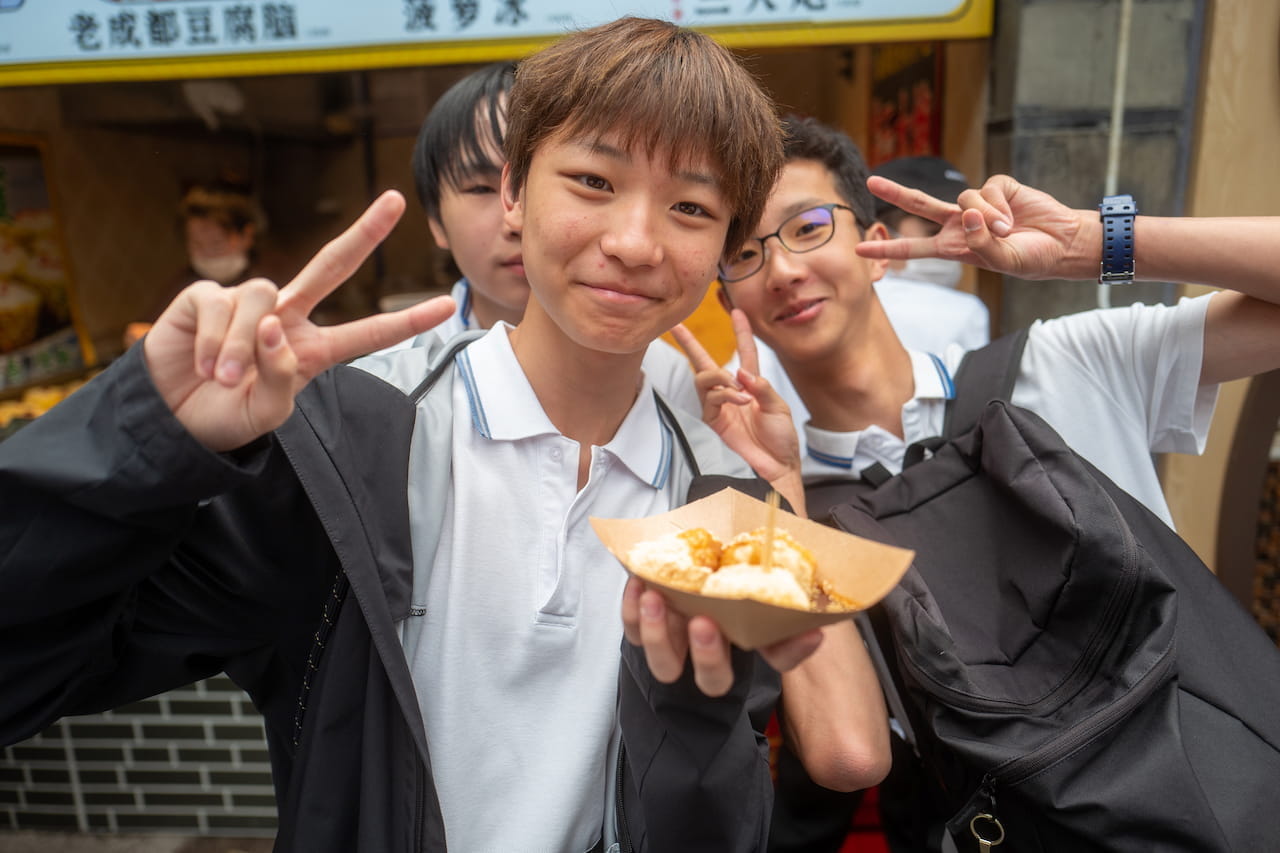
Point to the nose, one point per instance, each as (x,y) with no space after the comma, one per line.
(782,268)
(631,236)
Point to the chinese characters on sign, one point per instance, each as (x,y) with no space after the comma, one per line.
(175,25)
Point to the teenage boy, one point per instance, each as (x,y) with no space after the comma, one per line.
(457,173)
(406,583)
(1118,385)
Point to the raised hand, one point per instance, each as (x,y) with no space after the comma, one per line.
(745,410)
(229,361)
(1005,227)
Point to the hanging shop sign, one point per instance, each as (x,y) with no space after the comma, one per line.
(63,41)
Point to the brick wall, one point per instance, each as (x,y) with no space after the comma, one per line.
(190,761)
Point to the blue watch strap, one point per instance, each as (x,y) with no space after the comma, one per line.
(1117,212)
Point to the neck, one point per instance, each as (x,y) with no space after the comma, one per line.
(585,393)
(865,384)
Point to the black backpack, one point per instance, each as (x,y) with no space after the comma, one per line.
(1072,676)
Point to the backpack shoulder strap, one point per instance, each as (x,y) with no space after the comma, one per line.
(984,374)
(442,359)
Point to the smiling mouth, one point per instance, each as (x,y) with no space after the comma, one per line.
(796,309)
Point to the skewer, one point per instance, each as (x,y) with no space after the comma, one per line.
(772,499)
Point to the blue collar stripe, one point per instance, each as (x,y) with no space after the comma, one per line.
(464,310)
(827,459)
(948,387)
(473,395)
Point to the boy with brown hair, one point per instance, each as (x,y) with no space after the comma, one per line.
(403,577)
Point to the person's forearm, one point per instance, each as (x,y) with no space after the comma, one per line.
(834,713)
(1237,253)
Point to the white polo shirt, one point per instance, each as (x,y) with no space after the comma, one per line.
(517,655)
(1117,385)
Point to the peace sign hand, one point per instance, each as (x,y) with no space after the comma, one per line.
(1005,226)
(747,413)
(229,361)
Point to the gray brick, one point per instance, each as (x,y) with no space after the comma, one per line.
(147,753)
(239,777)
(40,797)
(260,756)
(222,684)
(106,731)
(238,732)
(9,796)
(162,731)
(99,777)
(115,755)
(157,821)
(201,707)
(206,755)
(109,798)
(149,706)
(162,777)
(39,753)
(10,774)
(260,800)
(164,798)
(100,822)
(40,776)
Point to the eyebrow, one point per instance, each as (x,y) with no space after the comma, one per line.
(615,153)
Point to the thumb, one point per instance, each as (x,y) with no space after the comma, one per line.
(277,379)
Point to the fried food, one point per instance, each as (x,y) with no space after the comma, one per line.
(683,560)
(788,554)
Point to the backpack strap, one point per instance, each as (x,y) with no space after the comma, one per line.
(441,360)
(984,374)
(669,418)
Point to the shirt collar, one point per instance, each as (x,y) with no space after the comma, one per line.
(466,312)
(843,449)
(504,407)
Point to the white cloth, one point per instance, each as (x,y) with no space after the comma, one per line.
(459,321)
(929,317)
(1117,385)
(518,650)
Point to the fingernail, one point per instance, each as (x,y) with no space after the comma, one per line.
(206,368)
(1002,228)
(972,226)
(702,638)
(650,609)
(272,336)
(230,371)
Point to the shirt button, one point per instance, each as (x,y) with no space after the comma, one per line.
(556,454)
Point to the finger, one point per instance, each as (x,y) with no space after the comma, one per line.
(763,393)
(342,256)
(709,653)
(631,610)
(697,354)
(988,249)
(897,248)
(748,356)
(277,371)
(208,306)
(993,202)
(917,202)
(664,648)
(789,653)
(369,334)
(250,301)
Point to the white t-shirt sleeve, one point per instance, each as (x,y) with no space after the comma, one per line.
(1142,361)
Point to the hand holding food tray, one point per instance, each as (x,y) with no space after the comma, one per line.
(832,573)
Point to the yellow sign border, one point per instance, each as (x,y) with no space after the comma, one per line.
(972,19)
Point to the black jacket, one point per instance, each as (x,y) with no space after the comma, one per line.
(132,561)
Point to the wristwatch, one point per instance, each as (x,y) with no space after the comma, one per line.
(1117,212)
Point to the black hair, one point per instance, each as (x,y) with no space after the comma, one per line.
(809,139)
(451,145)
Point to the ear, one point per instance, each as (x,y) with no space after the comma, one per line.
(512,204)
(438,233)
(876,267)
(723,297)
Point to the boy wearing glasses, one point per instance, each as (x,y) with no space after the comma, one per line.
(405,581)
(1118,385)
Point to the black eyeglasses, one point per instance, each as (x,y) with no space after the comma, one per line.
(804,232)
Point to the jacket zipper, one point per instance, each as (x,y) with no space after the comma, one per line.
(624,832)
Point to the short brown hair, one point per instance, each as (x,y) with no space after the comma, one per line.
(658,85)
(229,205)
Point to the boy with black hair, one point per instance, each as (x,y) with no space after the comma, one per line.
(402,576)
